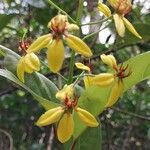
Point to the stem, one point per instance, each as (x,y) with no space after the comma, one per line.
(71,67)
(79,77)
(62,11)
(72,60)
(96,22)
(94,33)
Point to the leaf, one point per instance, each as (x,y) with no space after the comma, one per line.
(93,137)
(44,102)
(5,19)
(94,98)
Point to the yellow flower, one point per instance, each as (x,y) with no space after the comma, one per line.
(102,79)
(122,7)
(28,63)
(54,42)
(120,74)
(63,115)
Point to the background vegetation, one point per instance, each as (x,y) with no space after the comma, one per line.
(126,126)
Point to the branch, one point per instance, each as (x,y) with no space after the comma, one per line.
(131,114)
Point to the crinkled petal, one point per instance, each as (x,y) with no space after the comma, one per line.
(103,79)
(78,45)
(119,24)
(55,55)
(21,69)
(39,43)
(82,67)
(65,128)
(116,92)
(32,62)
(87,117)
(104,9)
(131,28)
(50,116)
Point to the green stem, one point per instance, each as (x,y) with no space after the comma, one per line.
(94,33)
(62,11)
(72,60)
(71,67)
(96,22)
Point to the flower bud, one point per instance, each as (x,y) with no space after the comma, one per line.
(58,23)
(68,90)
(87,117)
(109,60)
(121,6)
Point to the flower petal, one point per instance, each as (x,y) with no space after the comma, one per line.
(65,128)
(109,60)
(50,116)
(87,81)
(82,67)
(87,117)
(116,92)
(131,28)
(119,24)
(78,45)
(104,9)
(103,79)
(55,55)
(39,43)
(32,62)
(21,69)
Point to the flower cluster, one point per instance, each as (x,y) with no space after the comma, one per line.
(122,7)
(54,42)
(63,114)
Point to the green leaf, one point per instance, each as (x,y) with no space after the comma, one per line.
(94,98)
(5,19)
(44,102)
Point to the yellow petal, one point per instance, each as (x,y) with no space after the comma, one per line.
(72,27)
(87,81)
(55,55)
(82,67)
(39,43)
(21,69)
(109,60)
(116,92)
(50,116)
(65,128)
(119,24)
(78,45)
(103,79)
(87,117)
(104,9)
(32,62)
(68,90)
(131,28)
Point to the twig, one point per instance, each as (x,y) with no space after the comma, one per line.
(50,140)
(8,91)
(10,138)
(131,114)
